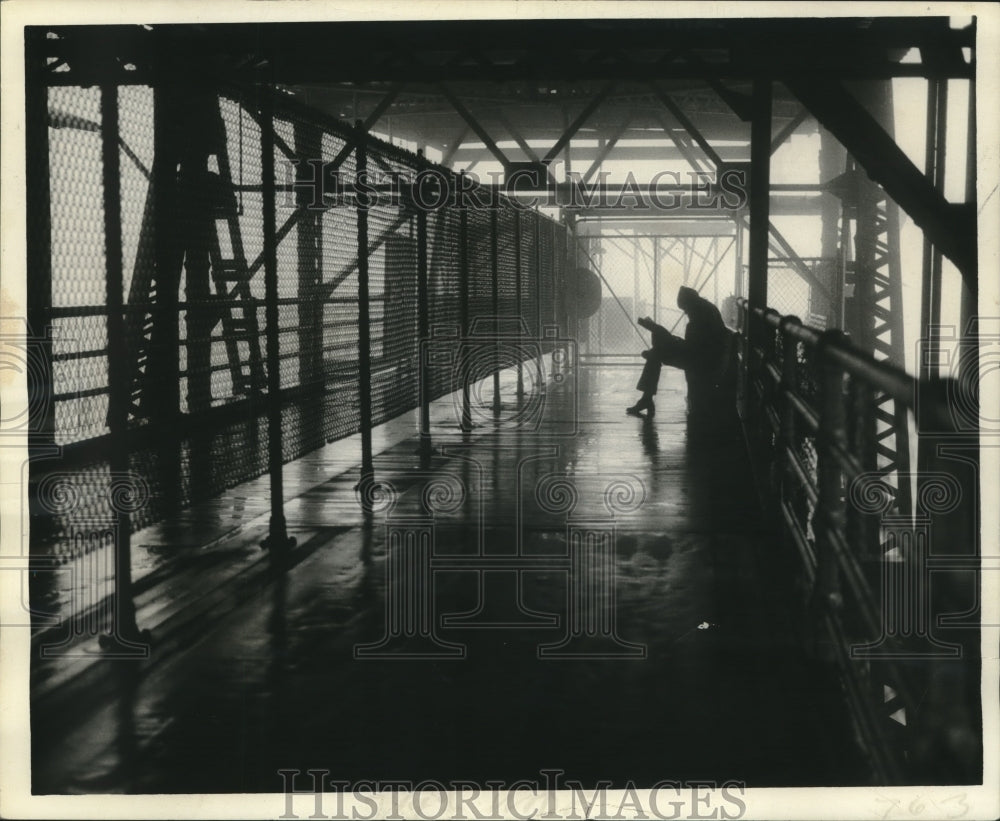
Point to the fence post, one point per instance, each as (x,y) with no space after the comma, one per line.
(124,637)
(364,325)
(517,297)
(422,332)
(199,219)
(277,541)
(539,334)
(495,272)
(463,273)
(558,295)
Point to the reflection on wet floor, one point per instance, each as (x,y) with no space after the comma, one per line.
(602,603)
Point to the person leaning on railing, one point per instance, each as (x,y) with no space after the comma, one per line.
(704,354)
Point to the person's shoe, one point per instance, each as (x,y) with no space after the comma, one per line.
(640,406)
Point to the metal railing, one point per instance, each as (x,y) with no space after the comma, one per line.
(887,594)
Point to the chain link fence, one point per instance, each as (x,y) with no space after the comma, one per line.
(193,258)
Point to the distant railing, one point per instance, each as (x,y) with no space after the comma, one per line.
(888,594)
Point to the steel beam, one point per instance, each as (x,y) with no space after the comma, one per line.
(521,142)
(930,299)
(605,150)
(41,406)
(788,129)
(782,206)
(685,121)
(950,227)
(577,124)
(474,124)
(383,106)
(199,220)
(968,364)
(683,149)
(554,49)
(631,153)
(456,143)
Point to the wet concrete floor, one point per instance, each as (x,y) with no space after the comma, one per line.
(575,589)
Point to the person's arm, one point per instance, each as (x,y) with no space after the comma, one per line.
(651,326)
(670,349)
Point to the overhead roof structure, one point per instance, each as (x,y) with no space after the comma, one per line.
(444,83)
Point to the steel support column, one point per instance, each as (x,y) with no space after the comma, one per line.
(738,261)
(124,638)
(197,235)
(968,362)
(875,316)
(831,165)
(277,541)
(160,388)
(760,178)
(934,163)
(863,425)
(38,257)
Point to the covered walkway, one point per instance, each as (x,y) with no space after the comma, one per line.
(323,456)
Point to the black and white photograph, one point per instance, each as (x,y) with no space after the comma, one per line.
(547,410)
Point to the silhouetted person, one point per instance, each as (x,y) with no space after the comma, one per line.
(703,354)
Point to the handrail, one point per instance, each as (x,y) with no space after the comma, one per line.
(880,375)
(811,447)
